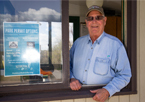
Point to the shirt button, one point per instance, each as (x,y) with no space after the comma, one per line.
(91,47)
(85,70)
(88,59)
(83,81)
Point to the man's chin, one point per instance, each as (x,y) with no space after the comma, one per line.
(96,33)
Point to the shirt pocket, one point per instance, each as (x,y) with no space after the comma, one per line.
(101,66)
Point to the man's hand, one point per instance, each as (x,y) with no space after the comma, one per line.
(101,95)
(75,84)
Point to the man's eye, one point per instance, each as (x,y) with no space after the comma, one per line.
(99,17)
(96,18)
(90,18)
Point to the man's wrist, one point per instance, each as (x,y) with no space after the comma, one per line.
(72,79)
(107,92)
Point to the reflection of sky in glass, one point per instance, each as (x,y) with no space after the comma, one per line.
(57,33)
(31,10)
(43,28)
(36,4)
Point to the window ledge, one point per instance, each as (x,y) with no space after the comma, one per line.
(56,95)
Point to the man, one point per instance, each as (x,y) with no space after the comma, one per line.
(99,58)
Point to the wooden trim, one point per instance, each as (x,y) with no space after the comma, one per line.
(65,42)
(132,40)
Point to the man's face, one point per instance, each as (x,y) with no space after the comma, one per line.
(95,27)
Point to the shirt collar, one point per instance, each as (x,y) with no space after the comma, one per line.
(98,40)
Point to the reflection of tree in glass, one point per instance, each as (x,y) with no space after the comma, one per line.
(44,57)
(57,53)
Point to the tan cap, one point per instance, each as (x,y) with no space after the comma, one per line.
(95,7)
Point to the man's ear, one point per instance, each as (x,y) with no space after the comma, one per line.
(105,20)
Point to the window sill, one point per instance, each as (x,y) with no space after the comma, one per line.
(57,95)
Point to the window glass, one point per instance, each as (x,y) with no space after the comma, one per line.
(34,28)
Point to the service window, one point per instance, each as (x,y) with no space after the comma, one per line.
(34,51)
(31,42)
(33,45)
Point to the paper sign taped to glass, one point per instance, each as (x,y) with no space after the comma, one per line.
(21,49)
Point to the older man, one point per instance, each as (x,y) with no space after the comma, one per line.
(99,58)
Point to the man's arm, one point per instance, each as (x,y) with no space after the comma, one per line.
(74,83)
(122,73)
(71,61)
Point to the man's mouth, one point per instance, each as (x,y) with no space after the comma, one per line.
(94,26)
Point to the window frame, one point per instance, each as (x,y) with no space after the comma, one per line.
(61,91)
(65,53)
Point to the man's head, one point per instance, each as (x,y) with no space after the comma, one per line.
(95,21)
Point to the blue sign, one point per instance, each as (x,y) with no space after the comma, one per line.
(21,49)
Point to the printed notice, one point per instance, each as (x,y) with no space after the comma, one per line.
(21,49)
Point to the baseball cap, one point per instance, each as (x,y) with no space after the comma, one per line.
(95,7)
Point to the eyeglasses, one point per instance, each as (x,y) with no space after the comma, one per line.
(90,18)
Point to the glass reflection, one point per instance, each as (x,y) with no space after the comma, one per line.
(48,15)
(31,55)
